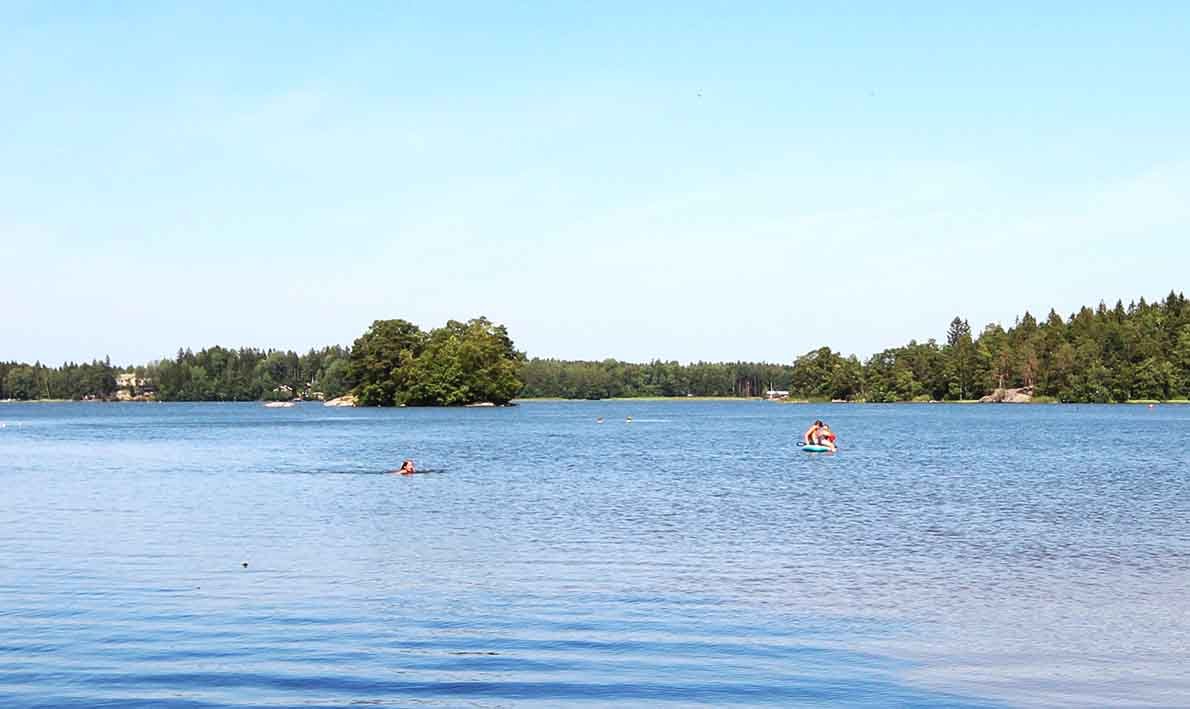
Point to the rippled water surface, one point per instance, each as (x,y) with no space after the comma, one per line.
(946,556)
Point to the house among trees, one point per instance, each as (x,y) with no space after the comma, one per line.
(130,387)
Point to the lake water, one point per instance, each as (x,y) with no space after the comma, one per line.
(946,556)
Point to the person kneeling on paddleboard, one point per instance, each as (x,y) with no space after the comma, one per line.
(826,437)
(810,437)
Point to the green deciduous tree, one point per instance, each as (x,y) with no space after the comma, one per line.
(21,383)
(464,363)
(381,359)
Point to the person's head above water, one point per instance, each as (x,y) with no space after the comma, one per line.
(407,466)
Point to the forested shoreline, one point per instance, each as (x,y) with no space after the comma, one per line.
(393,363)
(1101,354)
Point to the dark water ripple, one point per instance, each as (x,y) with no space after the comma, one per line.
(1010,556)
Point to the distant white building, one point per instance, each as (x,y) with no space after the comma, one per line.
(128,382)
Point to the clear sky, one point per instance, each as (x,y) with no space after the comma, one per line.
(687,181)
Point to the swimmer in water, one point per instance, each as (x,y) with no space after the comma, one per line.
(407,468)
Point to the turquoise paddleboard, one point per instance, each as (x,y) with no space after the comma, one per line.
(815,449)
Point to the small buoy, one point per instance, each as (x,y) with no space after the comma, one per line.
(629,419)
(599,420)
(244,564)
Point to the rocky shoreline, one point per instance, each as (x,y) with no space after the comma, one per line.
(1021,395)
(346,400)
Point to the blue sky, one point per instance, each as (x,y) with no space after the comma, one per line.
(689,181)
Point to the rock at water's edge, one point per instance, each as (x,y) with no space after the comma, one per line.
(1022,395)
(347,400)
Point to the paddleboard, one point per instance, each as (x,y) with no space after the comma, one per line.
(815,449)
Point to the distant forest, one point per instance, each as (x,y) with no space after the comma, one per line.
(393,363)
(212,374)
(1103,354)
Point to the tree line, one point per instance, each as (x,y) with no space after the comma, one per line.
(1101,354)
(246,374)
(393,363)
(96,380)
(553,378)
(212,374)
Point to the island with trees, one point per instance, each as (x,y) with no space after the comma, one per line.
(1139,351)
